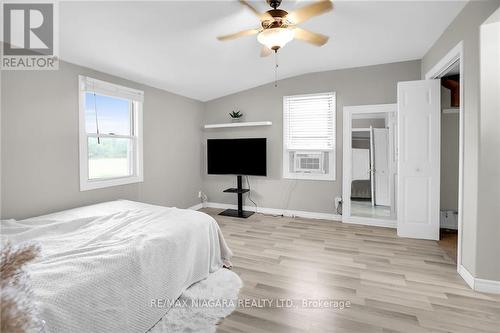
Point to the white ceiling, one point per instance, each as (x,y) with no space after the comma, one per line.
(171,45)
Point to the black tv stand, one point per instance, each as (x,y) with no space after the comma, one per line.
(237,212)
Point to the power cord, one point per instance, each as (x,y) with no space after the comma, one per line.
(250,198)
(339,208)
(249,193)
(291,188)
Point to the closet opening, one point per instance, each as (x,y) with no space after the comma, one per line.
(450,159)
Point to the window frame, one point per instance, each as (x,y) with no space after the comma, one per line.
(332,159)
(135,98)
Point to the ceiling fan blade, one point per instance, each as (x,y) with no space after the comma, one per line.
(310,37)
(262,16)
(306,12)
(239,34)
(249,6)
(265,51)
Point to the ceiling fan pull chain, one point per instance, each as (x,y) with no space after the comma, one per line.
(276,69)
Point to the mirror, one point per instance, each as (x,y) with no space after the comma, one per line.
(373,165)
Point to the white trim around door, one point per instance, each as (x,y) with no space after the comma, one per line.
(454,55)
(348,113)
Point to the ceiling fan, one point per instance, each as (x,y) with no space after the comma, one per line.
(278,27)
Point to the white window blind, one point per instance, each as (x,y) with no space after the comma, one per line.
(107,89)
(309,136)
(309,121)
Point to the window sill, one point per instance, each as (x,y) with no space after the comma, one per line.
(309,177)
(87,185)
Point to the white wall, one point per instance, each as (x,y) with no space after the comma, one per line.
(1,203)
(39,132)
(355,86)
(488,233)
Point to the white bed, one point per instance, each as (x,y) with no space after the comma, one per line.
(102,265)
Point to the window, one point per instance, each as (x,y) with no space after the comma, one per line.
(309,136)
(110,134)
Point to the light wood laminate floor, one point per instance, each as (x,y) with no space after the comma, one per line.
(364,208)
(448,240)
(394,284)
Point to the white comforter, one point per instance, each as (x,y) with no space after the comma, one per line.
(102,265)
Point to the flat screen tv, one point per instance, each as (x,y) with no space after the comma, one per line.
(237,157)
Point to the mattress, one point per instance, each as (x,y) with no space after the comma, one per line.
(103,266)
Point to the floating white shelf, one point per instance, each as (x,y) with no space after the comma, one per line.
(246,124)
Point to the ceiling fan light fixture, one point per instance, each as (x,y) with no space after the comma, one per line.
(275,38)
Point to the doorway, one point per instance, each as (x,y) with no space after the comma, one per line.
(450,71)
(450,124)
(369,165)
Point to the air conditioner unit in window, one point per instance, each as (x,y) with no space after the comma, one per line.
(310,162)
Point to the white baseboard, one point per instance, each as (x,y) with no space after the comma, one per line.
(487,286)
(196,207)
(370,221)
(277,211)
(481,285)
(466,275)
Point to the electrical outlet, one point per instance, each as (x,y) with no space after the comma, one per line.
(338,200)
(202,196)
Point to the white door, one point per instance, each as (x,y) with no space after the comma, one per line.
(360,164)
(393,166)
(419,128)
(382,174)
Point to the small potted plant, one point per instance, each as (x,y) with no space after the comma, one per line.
(236,116)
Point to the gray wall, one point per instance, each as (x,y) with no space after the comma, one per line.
(450,129)
(362,139)
(465,28)
(449,160)
(356,86)
(366,123)
(360,143)
(39,138)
